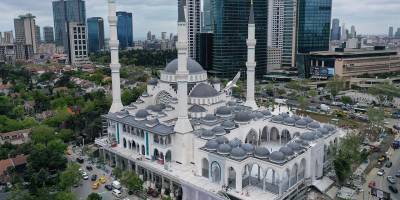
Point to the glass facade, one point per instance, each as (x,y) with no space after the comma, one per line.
(95,34)
(314,22)
(289,32)
(230,18)
(125,29)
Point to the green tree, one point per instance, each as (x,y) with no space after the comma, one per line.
(117,172)
(65,196)
(66,135)
(346,100)
(132,181)
(94,196)
(43,134)
(303,102)
(334,86)
(376,118)
(69,177)
(384,92)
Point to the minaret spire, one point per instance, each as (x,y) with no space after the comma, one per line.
(115,66)
(251,64)
(183,124)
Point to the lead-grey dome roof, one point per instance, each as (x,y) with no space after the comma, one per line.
(210,118)
(235,142)
(197,109)
(277,156)
(249,148)
(203,90)
(222,140)
(314,125)
(284,115)
(329,127)
(277,118)
(309,136)
(261,152)
(287,151)
(193,67)
(224,149)
(156,108)
(243,116)
(238,153)
(258,115)
(301,122)
(228,124)
(295,146)
(266,112)
(323,130)
(289,121)
(212,145)
(219,130)
(224,111)
(308,119)
(141,114)
(207,134)
(296,117)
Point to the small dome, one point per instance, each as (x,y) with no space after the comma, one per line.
(203,90)
(141,114)
(243,117)
(208,135)
(193,67)
(152,81)
(329,127)
(197,109)
(309,136)
(228,124)
(314,125)
(235,142)
(261,152)
(286,150)
(223,111)
(266,112)
(277,156)
(249,148)
(301,142)
(210,118)
(156,108)
(219,130)
(152,122)
(295,146)
(238,153)
(222,140)
(289,121)
(301,123)
(323,130)
(277,118)
(212,145)
(224,149)
(318,134)
(231,103)
(258,115)
(296,117)
(284,115)
(308,119)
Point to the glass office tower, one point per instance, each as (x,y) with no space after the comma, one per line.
(95,34)
(125,29)
(230,18)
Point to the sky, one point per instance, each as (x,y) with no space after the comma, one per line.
(369,16)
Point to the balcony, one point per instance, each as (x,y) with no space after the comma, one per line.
(103,142)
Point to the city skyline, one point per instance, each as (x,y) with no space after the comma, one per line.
(160,15)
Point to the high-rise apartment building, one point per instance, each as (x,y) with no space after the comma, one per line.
(230,33)
(95,30)
(25,37)
(38,35)
(65,11)
(206,17)
(7,38)
(391,32)
(48,32)
(163,35)
(78,51)
(125,29)
(336,31)
(193,9)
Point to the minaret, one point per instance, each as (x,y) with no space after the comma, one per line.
(115,66)
(183,124)
(251,64)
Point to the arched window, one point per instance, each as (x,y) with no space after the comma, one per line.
(205,168)
(215,172)
(124,143)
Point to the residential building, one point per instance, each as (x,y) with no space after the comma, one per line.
(25,37)
(230,30)
(18,164)
(95,30)
(125,29)
(193,8)
(38,35)
(336,30)
(16,137)
(7,38)
(78,54)
(48,32)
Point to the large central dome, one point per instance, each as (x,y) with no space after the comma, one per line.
(193,67)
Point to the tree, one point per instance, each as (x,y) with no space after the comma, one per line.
(94,196)
(117,172)
(335,86)
(346,100)
(303,102)
(384,92)
(65,196)
(43,134)
(69,177)
(376,118)
(132,181)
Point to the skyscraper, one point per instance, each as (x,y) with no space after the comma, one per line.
(230,33)
(125,29)
(37,34)
(95,30)
(163,35)
(25,37)
(391,31)
(65,11)
(149,35)
(344,32)
(193,23)
(335,32)
(48,34)
(206,17)
(353,32)
(314,23)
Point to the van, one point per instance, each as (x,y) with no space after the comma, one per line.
(117,193)
(116,185)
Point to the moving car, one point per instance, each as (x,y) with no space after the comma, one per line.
(393,189)
(102,179)
(391,179)
(380,172)
(117,193)
(95,185)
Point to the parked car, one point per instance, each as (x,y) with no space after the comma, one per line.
(393,189)
(94,177)
(108,187)
(85,177)
(398,174)
(95,185)
(80,160)
(388,164)
(391,179)
(380,172)
(89,167)
(117,193)
(116,185)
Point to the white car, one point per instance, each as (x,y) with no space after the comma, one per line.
(380,172)
(84,174)
(117,193)
(391,179)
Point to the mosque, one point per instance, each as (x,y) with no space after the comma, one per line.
(188,137)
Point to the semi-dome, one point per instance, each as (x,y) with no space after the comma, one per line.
(261,152)
(211,145)
(286,150)
(224,149)
(219,130)
(208,135)
(197,109)
(203,90)
(228,125)
(266,112)
(141,114)
(235,142)
(301,123)
(314,125)
(295,146)
(249,148)
(223,111)
(152,81)
(277,118)
(277,156)
(238,153)
(243,117)
(289,121)
(323,130)
(193,67)
(210,118)
(222,140)
(309,136)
